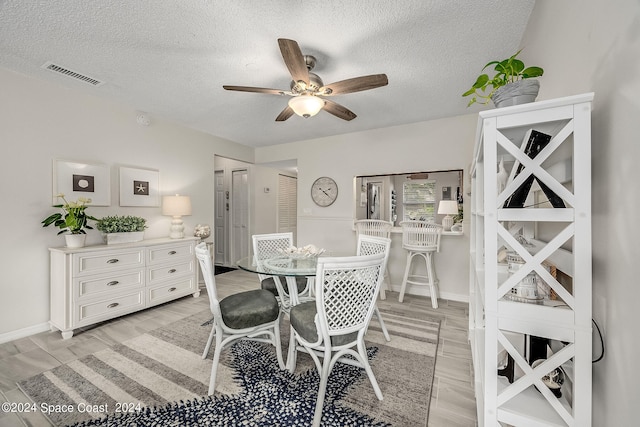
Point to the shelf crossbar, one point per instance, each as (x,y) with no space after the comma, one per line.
(533,376)
(534,262)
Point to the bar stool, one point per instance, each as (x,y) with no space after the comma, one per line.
(422,239)
(376,228)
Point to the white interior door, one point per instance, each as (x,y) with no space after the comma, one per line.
(287,205)
(239,215)
(220,241)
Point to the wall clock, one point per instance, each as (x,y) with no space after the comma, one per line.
(324,191)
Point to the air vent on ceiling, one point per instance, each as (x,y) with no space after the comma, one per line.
(70,73)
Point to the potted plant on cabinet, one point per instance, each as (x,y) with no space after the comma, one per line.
(512,84)
(73,220)
(122,229)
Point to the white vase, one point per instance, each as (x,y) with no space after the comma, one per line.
(516,93)
(503,176)
(75,240)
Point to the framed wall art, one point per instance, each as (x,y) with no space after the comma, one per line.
(139,187)
(87,180)
(446,193)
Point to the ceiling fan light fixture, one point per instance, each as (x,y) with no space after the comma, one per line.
(306,105)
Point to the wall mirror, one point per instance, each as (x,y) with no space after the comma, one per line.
(403,196)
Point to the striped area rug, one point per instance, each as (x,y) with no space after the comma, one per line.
(159,379)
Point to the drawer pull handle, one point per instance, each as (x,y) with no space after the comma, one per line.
(172,289)
(113,305)
(113,283)
(172,252)
(112,261)
(173,270)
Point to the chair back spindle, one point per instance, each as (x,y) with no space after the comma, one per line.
(204,258)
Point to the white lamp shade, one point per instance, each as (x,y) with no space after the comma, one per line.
(306,105)
(176,205)
(448,207)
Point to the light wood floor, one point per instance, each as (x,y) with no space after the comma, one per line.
(452,403)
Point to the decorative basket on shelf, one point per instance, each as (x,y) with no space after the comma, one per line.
(532,289)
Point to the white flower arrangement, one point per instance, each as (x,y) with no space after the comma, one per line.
(307,251)
(202,231)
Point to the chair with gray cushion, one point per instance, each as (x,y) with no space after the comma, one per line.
(334,325)
(251,315)
(369,245)
(271,245)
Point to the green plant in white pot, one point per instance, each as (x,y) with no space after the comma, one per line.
(512,84)
(72,221)
(122,229)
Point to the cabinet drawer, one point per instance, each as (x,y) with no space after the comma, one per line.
(171,270)
(96,311)
(165,253)
(88,286)
(96,262)
(175,289)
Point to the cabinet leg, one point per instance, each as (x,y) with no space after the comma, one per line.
(196,294)
(67,334)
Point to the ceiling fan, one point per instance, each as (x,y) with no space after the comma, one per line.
(308,90)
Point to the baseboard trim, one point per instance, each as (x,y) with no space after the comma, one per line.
(424,292)
(24,332)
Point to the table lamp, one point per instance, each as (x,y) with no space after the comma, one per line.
(448,208)
(176,206)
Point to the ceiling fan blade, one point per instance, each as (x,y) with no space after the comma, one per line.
(294,60)
(338,110)
(256,90)
(355,84)
(284,114)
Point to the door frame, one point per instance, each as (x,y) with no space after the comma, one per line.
(232,237)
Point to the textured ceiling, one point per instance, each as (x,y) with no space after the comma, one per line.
(170,58)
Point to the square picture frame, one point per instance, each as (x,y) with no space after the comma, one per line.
(446,193)
(75,179)
(139,187)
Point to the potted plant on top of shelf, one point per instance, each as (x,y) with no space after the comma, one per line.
(122,229)
(512,84)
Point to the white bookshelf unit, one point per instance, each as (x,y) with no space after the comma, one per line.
(530,266)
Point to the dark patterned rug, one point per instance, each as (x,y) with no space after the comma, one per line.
(159,379)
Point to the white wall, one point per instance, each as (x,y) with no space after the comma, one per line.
(594,46)
(435,145)
(39,122)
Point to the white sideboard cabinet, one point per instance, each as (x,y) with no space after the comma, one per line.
(97,283)
(530,265)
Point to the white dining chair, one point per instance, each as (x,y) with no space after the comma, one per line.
(251,315)
(369,245)
(271,245)
(334,325)
(376,228)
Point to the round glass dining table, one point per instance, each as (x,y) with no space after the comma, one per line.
(283,266)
